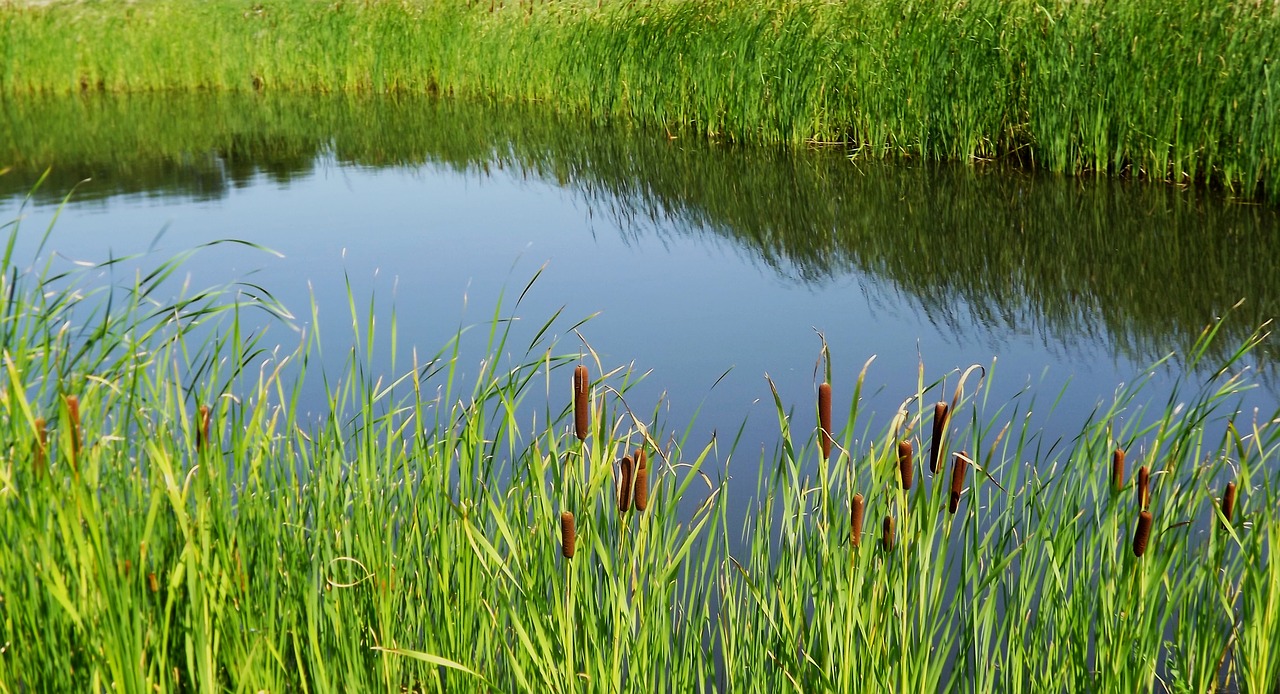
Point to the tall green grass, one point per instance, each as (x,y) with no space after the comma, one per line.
(1185,92)
(410,538)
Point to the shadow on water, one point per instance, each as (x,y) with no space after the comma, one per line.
(1137,267)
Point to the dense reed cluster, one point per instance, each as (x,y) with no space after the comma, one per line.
(1180,92)
(170,521)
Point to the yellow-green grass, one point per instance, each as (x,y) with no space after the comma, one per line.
(1175,91)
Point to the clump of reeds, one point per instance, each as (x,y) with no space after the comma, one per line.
(202,432)
(1144,487)
(642,480)
(1117,469)
(824,419)
(568,536)
(888,533)
(624,488)
(939,430)
(1142,534)
(73,419)
(1229,502)
(957,480)
(41,446)
(581,413)
(856,508)
(906,468)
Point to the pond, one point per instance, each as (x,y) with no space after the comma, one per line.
(704,264)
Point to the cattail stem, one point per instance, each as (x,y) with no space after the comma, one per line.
(642,480)
(73,419)
(888,533)
(1117,469)
(202,432)
(568,537)
(824,419)
(581,411)
(906,468)
(41,446)
(624,489)
(856,508)
(1142,534)
(957,480)
(940,417)
(1144,488)
(1229,502)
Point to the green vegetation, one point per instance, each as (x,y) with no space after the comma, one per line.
(1182,92)
(1025,252)
(169,522)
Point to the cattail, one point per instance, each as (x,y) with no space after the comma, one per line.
(152,582)
(581,414)
(1144,484)
(1229,501)
(939,428)
(73,417)
(1142,534)
(42,443)
(1117,469)
(624,490)
(202,433)
(855,520)
(888,533)
(642,480)
(906,469)
(567,534)
(957,480)
(824,418)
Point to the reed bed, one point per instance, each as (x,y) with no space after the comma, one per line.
(181,527)
(1184,92)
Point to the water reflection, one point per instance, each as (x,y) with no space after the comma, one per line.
(1139,268)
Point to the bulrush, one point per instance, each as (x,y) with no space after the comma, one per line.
(1144,488)
(567,534)
(888,533)
(957,480)
(42,444)
(642,480)
(824,418)
(1117,469)
(624,489)
(581,413)
(856,507)
(73,418)
(202,433)
(906,468)
(939,429)
(1229,501)
(1142,534)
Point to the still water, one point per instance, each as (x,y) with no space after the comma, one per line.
(704,265)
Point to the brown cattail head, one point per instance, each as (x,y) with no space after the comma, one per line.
(152,582)
(1142,534)
(856,507)
(642,480)
(1117,469)
(939,429)
(824,418)
(906,468)
(1144,488)
(1229,501)
(73,418)
(567,534)
(888,533)
(202,433)
(624,488)
(42,444)
(581,410)
(957,480)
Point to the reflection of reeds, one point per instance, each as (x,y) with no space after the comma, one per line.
(957,480)
(567,534)
(581,415)
(824,418)
(642,480)
(856,507)
(939,430)
(624,488)
(906,469)
(1142,534)
(1144,487)
(1117,469)
(1229,502)
(888,533)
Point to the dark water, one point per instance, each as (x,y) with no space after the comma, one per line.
(699,257)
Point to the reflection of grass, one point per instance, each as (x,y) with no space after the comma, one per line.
(1184,91)
(1142,266)
(414,537)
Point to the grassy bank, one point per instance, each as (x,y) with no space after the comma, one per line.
(168,523)
(1182,92)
